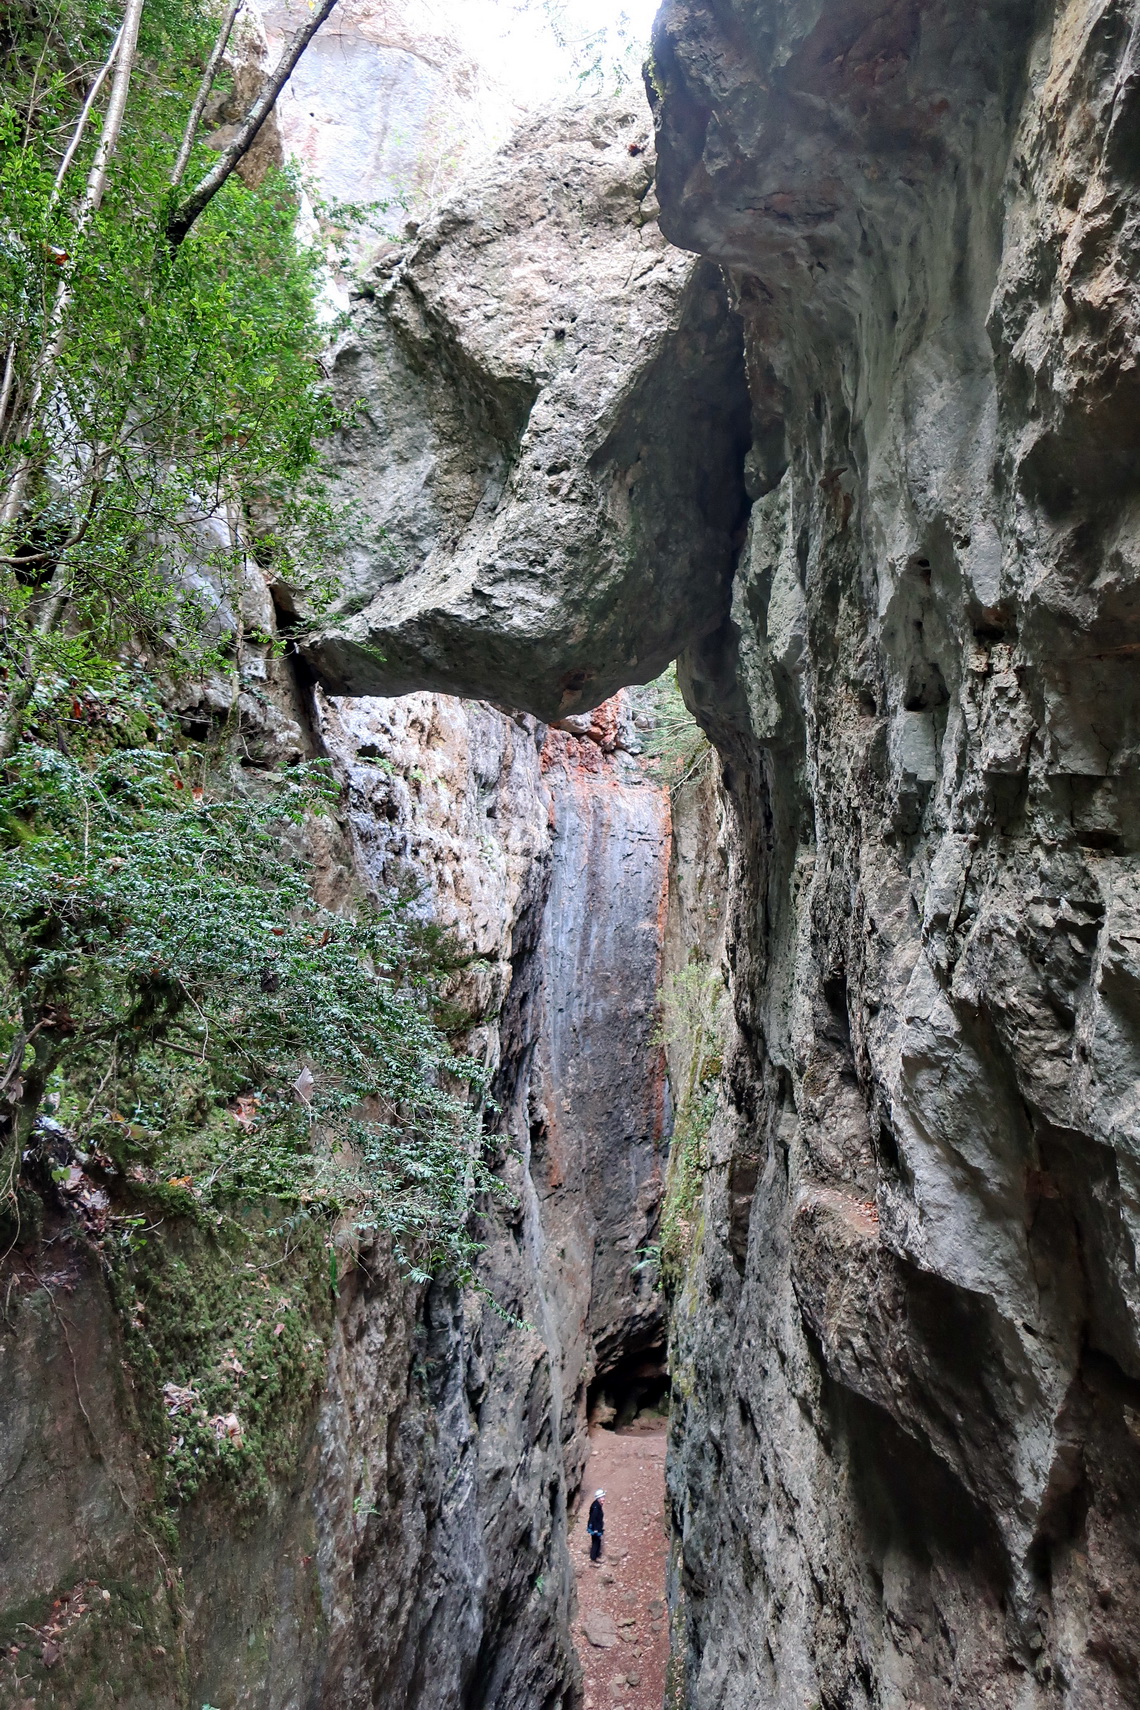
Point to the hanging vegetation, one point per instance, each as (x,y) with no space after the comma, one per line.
(169,989)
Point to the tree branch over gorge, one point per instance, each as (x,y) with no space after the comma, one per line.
(209,78)
(183,216)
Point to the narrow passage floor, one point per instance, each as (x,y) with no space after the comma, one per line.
(621,1632)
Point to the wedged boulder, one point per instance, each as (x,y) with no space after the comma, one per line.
(548,445)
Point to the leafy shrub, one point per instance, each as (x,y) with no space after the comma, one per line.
(171,426)
(164,966)
(238,1073)
(676,748)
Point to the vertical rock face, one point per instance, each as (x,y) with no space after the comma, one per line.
(871,462)
(457,1590)
(411,1549)
(595,1096)
(905,1446)
(545,854)
(386,107)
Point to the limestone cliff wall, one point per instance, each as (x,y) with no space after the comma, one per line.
(905,1356)
(546,852)
(547,418)
(904,1457)
(386,107)
(862,446)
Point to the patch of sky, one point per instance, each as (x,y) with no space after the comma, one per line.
(546,50)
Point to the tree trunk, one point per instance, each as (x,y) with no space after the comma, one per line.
(81,122)
(183,216)
(43,378)
(203,94)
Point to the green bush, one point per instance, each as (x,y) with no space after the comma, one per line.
(164,966)
(676,748)
(241,1082)
(178,435)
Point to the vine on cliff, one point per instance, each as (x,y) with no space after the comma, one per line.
(693,1006)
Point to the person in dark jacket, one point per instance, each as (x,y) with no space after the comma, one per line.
(596,1524)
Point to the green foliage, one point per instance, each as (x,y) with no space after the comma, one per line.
(346,226)
(688,1161)
(243,1079)
(693,1005)
(676,748)
(605,59)
(183,424)
(165,969)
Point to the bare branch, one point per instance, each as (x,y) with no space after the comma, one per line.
(81,122)
(113,119)
(204,89)
(7,383)
(20,691)
(184,215)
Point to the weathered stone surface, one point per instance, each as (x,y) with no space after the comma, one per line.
(547,852)
(549,440)
(415,1554)
(907,1358)
(386,106)
(592,1104)
(601,1629)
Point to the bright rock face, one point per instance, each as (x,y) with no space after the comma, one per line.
(907,1359)
(386,107)
(546,853)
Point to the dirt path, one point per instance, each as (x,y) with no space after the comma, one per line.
(621,1632)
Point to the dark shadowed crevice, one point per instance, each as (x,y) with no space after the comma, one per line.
(637,1382)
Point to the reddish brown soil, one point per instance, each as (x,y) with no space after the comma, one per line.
(628,1583)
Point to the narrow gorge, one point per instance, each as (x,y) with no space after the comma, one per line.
(811,1061)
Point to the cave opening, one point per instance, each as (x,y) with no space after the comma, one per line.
(637,1383)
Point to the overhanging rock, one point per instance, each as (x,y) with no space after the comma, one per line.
(549,434)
